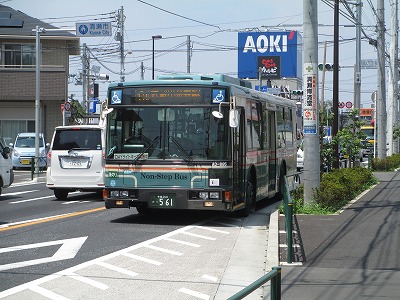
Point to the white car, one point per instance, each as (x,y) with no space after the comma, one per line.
(75,161)
(6,170)
(300,159)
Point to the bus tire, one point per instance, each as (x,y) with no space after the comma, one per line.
(282,174)
(250,203)
(143,210)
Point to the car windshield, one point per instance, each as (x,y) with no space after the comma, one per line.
(28,142)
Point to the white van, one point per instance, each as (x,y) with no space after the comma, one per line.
(75,160)
(6,169)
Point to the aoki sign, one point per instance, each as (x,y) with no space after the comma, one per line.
(274,54)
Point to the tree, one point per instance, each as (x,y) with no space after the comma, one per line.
(77,113)
(349,138)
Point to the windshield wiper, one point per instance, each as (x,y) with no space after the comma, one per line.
(188,158)
(147,148)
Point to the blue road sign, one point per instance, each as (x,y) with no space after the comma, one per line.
(94,29)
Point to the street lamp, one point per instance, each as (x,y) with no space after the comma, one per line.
(154,37)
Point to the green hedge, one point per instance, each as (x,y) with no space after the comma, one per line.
(389,163)
(340,186)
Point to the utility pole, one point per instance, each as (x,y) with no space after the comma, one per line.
(335,100)
(357,70)
(141,71)
(188,54)
(310,99)
(393,89)
(38,53)
(322,100)
(85,71)
(381,94)
(120,37)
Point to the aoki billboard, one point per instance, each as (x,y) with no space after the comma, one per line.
(272,54)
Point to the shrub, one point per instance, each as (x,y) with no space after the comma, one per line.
(342,185)
(386,164)
(336,190)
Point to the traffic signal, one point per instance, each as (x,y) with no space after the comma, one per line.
(328,67)
(297,92)
(95,90)
(103,77)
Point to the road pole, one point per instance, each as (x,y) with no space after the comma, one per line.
(310,99)
(381,99)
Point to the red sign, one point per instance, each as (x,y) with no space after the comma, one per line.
(349,104)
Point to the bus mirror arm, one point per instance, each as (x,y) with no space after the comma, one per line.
(218,114)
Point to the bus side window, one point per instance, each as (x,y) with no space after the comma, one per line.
(280,127)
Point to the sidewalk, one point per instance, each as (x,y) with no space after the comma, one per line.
(352,255)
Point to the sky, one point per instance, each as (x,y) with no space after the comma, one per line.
(213,28)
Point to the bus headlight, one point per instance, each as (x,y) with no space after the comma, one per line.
(214,195)
(124,194)
(114,193)
(203,195)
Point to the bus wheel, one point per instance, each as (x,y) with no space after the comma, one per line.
(61,194)
(143,210)
(250,204)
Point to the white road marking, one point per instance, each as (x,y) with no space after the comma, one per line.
(199,236)
(86,280)
(20,193)
(147,260)
(39,198)
(164,250)
(182,242)
(194,293)
(213,229)
(76,201)
(117,269)
(46,293)
(68,249)
(211,278)
(17,289)
(33,199)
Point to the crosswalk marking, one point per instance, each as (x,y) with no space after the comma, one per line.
(148,260)
(163,250)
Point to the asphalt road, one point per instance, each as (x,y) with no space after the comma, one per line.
(76,249)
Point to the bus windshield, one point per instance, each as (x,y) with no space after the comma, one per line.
(167,133)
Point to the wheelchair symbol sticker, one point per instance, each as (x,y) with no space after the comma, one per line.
(83,29)
(116,97)
(218,96)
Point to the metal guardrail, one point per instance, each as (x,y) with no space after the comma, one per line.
(288,211)
(274,275)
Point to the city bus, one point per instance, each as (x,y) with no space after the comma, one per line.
(196,142)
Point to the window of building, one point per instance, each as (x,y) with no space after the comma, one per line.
(19,55)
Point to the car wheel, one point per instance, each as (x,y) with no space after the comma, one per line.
(61,194)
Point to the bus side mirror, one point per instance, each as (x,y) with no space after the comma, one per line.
(233,118)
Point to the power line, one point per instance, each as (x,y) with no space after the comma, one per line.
(172,13)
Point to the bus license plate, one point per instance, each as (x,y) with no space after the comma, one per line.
(163,200)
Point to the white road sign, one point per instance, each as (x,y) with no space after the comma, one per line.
(93,29)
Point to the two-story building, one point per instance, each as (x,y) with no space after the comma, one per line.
(18,73)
